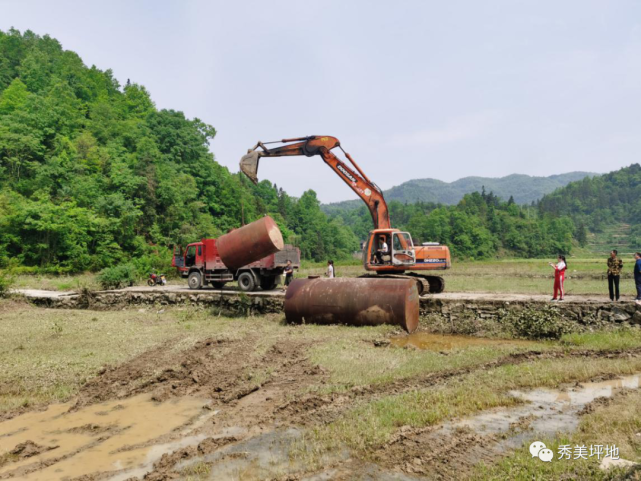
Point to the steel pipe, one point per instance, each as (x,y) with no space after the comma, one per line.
(250,243)
(357,302)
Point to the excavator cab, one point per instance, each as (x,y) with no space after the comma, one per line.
(388,250)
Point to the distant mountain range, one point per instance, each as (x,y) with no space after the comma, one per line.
(524,189)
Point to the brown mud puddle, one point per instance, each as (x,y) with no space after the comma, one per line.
(456,447)
(440,342)
(123,437)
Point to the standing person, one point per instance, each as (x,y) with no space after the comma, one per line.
(289,273)
(614,274)
(559,278)
(637,276)
(330,269)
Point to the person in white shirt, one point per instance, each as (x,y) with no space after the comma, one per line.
(330,269)
(383,249)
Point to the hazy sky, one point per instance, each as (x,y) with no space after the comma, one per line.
(412,89)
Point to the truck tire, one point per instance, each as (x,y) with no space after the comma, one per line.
(246,282)
(217,285)
(194,280)
(268,283)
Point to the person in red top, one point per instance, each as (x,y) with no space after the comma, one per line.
(559,278)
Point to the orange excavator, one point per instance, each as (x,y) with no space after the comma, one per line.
(388,252)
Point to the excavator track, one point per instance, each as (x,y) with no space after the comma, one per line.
(425,284)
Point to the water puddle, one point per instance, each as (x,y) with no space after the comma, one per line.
(441,342)
(263,456)
(124,437)
(271,455)
(548,411)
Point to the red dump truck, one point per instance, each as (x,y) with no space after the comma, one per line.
(201,264)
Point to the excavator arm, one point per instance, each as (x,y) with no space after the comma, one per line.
(353,176)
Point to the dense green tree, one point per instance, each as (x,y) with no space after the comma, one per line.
(92,174)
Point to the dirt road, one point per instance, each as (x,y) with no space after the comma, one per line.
(459,296)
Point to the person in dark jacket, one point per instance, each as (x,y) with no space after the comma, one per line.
(289,273)
(637,276)
(614,274)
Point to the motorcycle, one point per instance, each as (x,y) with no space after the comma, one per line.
(157,280)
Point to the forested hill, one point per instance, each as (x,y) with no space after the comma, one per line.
(92,174)
(524,189)
(600,201)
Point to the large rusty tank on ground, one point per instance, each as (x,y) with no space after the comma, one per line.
(250,243)
(358,302)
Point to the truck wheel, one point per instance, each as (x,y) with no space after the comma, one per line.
(268,283)
(217,285)
(246,282)
(194,280)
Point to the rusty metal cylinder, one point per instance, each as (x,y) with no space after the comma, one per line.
(358,302)
(250,243)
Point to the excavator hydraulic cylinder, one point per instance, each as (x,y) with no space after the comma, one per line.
(250,243)
(358,302)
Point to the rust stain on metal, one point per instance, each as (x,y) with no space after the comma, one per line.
(250,243)
(358,302)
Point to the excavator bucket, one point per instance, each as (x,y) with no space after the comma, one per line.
(249,165)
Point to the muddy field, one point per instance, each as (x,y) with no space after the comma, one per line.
(181,393)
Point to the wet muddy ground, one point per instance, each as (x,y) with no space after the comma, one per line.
(238,405)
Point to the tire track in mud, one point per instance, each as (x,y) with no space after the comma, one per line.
(322,409)
(218,369)
(278,401)
(221,369)
(431,454)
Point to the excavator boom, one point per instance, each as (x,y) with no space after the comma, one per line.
(403,255)
(352,175)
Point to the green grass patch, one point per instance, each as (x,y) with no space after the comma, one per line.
(355,363)
(47,354)
(624,338)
